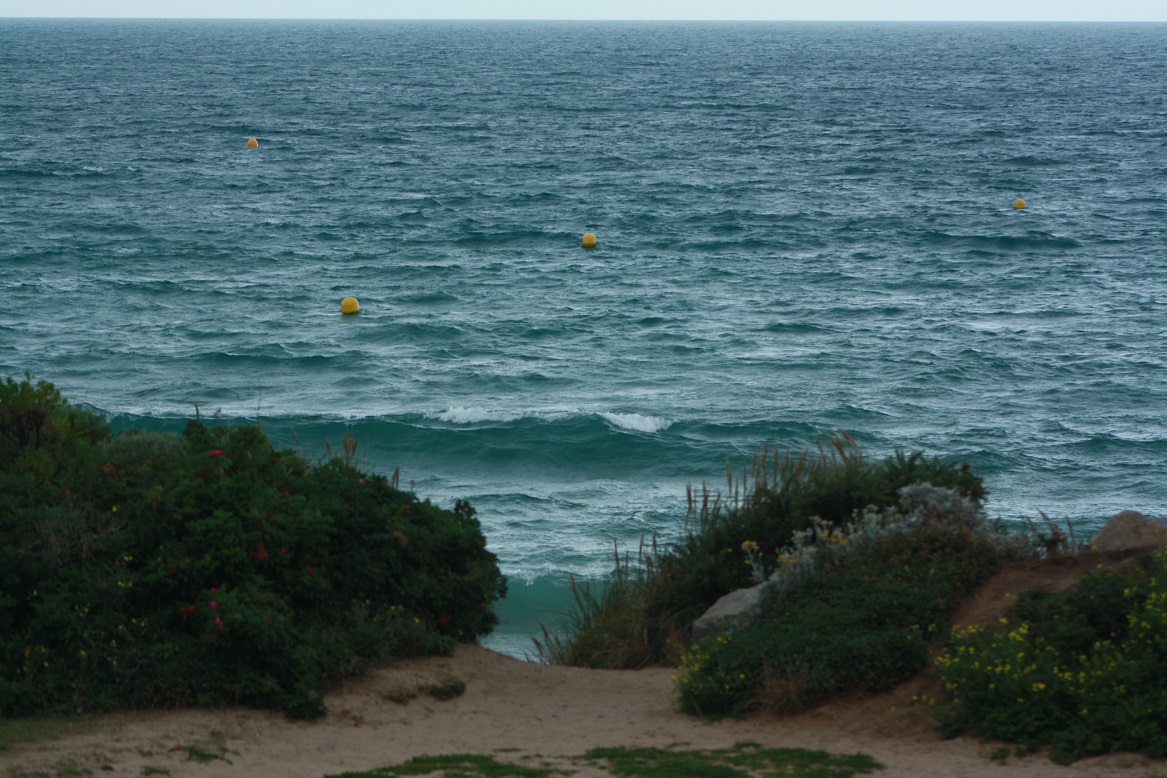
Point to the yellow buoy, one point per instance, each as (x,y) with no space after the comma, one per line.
(1019,203)
(252,143)
(589,240)
(349,305)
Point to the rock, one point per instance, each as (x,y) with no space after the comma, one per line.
(730,612)
(1130,530)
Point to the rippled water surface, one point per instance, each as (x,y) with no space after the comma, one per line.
(802,227)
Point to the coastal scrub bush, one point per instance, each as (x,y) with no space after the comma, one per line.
(855,611)
(146,570)
(1080,671)
(822,546)
(736,542)
(642,614)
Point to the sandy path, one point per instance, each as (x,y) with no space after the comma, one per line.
(519,711)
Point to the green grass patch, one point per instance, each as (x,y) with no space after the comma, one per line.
(20,732)
(453,766)
(745,760)
(73,772)
(60,771)
(447,689)
(204,755)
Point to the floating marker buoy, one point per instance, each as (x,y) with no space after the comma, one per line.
(1019,203)
(589,240)
(349,305)
(252,143)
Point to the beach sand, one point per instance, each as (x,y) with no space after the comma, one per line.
(541,715)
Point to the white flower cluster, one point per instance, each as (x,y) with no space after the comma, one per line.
(824,546)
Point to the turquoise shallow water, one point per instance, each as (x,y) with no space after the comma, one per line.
(802,227)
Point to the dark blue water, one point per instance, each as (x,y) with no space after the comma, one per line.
(802,228)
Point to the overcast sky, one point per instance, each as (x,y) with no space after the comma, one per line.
(941,10)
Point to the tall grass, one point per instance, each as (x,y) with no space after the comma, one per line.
(640,616)
(624,623)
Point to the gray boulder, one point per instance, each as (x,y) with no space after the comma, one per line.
(1130,530)
(730,612)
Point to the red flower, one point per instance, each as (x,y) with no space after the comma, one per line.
(216,453)
(186,611)
(213,605)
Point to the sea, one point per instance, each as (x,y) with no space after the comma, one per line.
(801,229)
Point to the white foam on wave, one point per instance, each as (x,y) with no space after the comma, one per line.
(636,422)
(463,415)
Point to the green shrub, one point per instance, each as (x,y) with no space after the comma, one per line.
(639,616)
(36,417)
(862,628)
(1080,671)
(142,570)
(823,546)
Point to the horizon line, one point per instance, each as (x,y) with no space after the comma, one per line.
(576,19)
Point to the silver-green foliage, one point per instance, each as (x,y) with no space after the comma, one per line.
(824,546)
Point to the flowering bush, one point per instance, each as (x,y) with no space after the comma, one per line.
(788,497)
(863,626)
(823,546)
(1080,671)
(143,570)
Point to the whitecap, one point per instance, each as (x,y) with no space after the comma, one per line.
(636,422)
(463,415)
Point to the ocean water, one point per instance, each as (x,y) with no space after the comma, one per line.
(801,228)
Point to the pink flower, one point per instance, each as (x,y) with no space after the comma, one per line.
(283,549)
(216,453)
(218,622)
(361,481)
(214,589)
(213,604)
